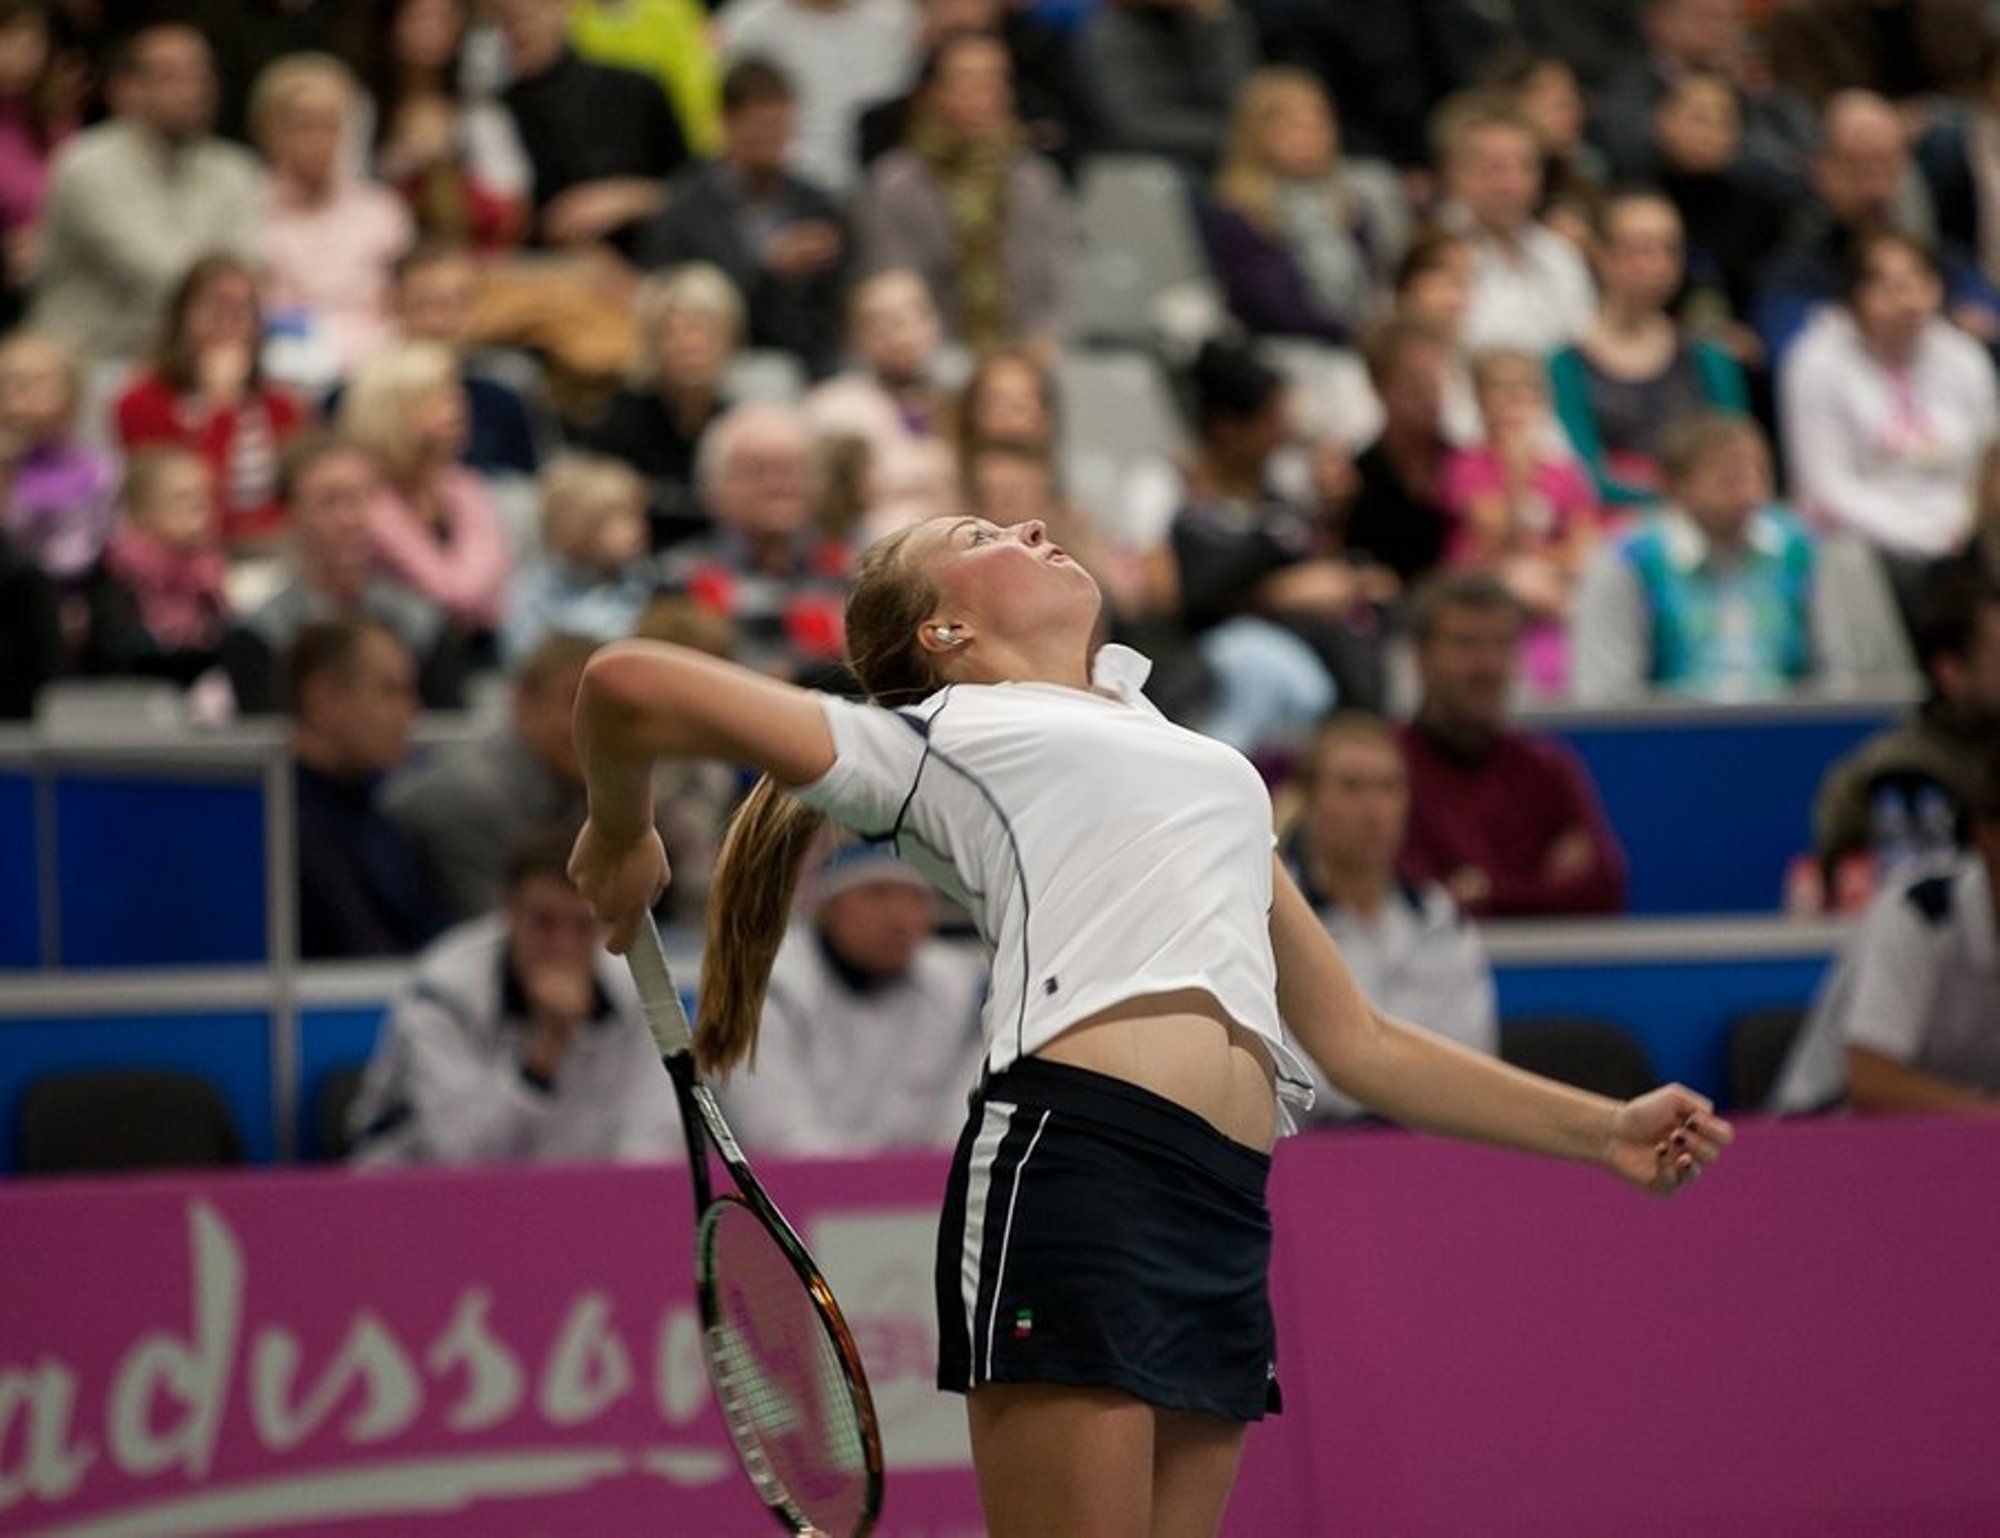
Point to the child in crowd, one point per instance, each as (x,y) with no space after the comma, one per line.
(168,556)
(592,577)
(1523,510)
(59,492)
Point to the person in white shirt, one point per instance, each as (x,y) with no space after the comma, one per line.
(1531,289)
(136,200)
(1410,949)
(1910,1020)
(1148,953)
(518,1038)
(1886,407)
(870,1037)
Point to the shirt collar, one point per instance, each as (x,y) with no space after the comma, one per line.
(1690,549)
(1121,672)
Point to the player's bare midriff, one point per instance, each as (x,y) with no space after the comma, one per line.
(1183,1047)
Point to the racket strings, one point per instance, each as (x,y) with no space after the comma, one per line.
(784,1390)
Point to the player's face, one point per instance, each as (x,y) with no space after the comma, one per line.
(1007,582)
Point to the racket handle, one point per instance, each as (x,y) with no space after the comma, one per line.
(659,999)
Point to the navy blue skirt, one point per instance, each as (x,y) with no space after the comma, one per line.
(1097,1234)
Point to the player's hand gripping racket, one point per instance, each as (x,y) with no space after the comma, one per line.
(783,1364)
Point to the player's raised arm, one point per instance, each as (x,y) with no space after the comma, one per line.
(642,701)
(1658,1141)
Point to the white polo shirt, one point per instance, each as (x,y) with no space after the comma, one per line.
(1919,983)
(1103,852)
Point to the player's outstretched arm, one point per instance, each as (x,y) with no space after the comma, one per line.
(642,701)
(1658,1141)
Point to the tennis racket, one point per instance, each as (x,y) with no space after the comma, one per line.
(784,1367)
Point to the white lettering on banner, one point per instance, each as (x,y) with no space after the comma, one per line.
(589,1369)
(43,1398)
(493,1378)
(370,1356)
(165,1407)
(681,1368)
(879,1265)
(388,1489)
(196,1371)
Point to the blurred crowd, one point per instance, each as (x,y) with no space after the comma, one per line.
(1417,360)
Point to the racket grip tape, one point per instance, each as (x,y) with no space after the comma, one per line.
(659,999)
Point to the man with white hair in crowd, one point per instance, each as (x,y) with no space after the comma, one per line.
(769,567)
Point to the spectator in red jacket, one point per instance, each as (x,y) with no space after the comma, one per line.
(205,390)
(1508,821)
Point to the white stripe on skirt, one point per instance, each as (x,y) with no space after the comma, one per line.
(1007,1234)
(978,1181)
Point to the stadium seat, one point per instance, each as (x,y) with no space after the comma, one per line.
(764,374)
(1117,410)
(114,709)
(125,1119)
(336,1093)
(1591,1054)
(1759,1042)
(1331,393)
(1142,275)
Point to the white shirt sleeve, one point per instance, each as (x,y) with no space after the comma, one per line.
(878,755)
(1891,980)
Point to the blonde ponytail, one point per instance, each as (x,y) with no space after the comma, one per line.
(765,850)
(749,904)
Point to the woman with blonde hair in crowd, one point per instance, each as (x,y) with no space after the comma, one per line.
(434,524)
(331,236)
(688,324)
(1300,238)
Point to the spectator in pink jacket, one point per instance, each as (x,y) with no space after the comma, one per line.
(434,524)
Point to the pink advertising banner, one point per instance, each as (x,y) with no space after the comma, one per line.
(1808,1343)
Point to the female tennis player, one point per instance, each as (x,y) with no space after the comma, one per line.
(1103,1256)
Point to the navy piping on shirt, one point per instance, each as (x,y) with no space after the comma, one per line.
(922,726)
